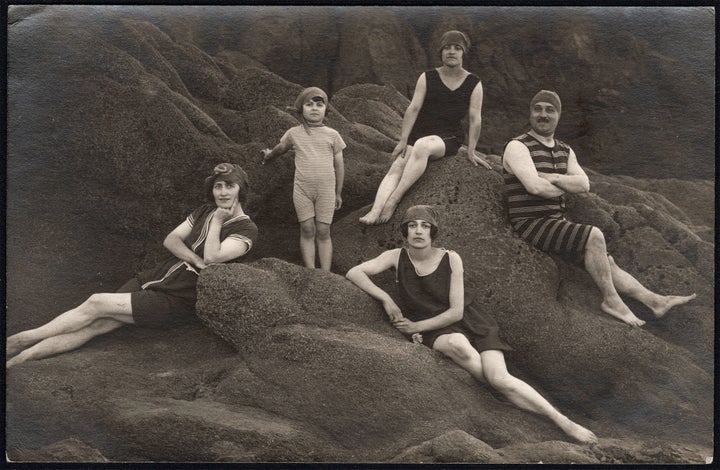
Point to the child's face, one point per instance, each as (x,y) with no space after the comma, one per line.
(314,111)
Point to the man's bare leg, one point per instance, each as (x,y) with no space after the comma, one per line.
(386,188)
(307,242)
(628,285)
(598,266)
(65,342)
(424,149)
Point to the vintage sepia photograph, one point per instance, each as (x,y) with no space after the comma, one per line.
(360,234)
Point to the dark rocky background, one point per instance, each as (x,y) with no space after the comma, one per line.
(115,114)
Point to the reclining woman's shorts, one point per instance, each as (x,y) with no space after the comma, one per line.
(157,309)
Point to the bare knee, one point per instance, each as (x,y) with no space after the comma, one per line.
(459,347)
(424,147)
(596,241)
(307,230)
(94,306)
(322,232)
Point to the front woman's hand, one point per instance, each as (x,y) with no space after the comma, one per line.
(406,326)
(399,150)
(392,310)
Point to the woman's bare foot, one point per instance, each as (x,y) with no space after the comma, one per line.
(577,432)
(15,343)
(619,310)
(369,219)
(387,212)
(666,302)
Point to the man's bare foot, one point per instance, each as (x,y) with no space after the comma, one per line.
(619,310)
(666,302)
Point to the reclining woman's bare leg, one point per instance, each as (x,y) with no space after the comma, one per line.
(65,342)
(116,306)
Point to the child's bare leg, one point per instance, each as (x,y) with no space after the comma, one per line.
(628,285)
(324,245)
(307,242)
(65,342)
(424,148)
(386,188)
(96,306)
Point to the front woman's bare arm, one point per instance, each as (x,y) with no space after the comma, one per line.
(360,276)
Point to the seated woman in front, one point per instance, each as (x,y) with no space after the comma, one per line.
(430,281)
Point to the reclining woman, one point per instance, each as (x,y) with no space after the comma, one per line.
(431,285)
(164,296)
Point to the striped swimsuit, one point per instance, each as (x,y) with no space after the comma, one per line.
(537,220)
(314,187)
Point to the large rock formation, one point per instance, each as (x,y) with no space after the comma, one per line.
(116,114)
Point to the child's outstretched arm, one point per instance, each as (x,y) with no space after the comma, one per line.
(279,149)
(339,164)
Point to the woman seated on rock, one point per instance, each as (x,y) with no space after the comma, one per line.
(430,281)
(164,296)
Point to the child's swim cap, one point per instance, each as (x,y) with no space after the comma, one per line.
(309,94)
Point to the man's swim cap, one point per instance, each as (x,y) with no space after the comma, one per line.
(547,96)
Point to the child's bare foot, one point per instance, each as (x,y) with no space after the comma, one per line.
(666,302)
(619,310)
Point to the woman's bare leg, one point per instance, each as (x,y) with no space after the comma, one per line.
(117,306)
(524,396)
(65,342)
(386,188)
(422,151)
(489,366)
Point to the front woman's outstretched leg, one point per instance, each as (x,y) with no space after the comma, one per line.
(524,396)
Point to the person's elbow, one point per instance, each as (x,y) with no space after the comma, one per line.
(170,240)
(456,314)
(535,188)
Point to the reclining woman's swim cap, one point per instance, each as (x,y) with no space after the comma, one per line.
(420,212)
(455,37)
(231,173)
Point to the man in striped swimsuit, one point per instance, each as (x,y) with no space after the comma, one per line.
(538,170)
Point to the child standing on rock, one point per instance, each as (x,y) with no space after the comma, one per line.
(319,174)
